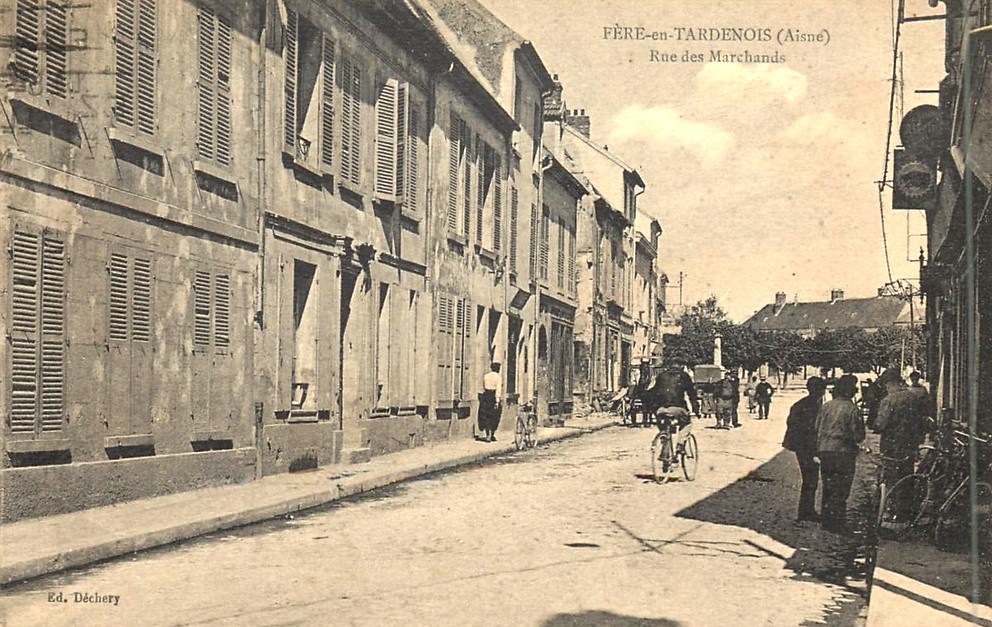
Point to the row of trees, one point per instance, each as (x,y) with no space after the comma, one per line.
(850,349)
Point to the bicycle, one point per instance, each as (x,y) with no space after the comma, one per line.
(666,456)
(525,430)
(900,506)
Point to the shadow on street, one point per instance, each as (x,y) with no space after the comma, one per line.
(597,618)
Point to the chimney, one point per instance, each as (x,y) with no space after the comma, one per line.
(836,295)
(577,119)
(554,106)
(779,301)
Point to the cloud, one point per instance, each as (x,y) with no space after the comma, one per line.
(761,82)
(816,128)
(666,127)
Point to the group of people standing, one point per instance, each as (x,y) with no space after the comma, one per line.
(826,438)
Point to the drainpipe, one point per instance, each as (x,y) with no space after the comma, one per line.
(538,206)
(259,414)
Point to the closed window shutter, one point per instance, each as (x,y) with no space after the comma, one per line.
(56,49)
(411,194)
(497,203)
(561,256)
(118,326)
(222,311)
(27,31)
(443,381)
(201,304)
(545,243)
(571,261)
(207,97)
(289,89)
(454,157)
(386,107)
(533,241)
(514,214)
(53,333)
(25,294)
(141,300)
(327,104)
(459,339)
(482,159)
(466,340)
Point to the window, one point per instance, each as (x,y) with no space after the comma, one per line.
(459,176)
(534,241)
(350,78)
(396,147)
(454,326)
(309,58)
(213,133)
(571,262)
(135,66)
(497,203)
(37,332)
(471,156)
(545,240)
(211,311)
(130,298)
(560,265)
(489,194)
(41,51)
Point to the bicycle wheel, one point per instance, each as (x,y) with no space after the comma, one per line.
(952,527)
(689,457)
(519,433)
(903,505)
(661,457)
(532,433)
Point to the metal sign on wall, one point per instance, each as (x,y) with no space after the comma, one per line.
(914,181)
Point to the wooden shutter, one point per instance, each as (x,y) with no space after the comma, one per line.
(25,294)
(146,65)
(514,214)
(222,83)
(386,140)
(351,121)
(402,119)
(454,158)
(327,103)
(470,152)
(53,260)
(466,347)
(545,240)
(560,265)
(289,53)
(571,261)
(482,165)
(56,49)
(534,240)
(222,312)
(118,324)
(457,366)
(201,305)
(125,51)
(497,203)
(141,300)
(411,193)
(444,348)
(206,96)
(27,31)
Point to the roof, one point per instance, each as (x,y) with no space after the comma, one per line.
(866,313)
(606,153)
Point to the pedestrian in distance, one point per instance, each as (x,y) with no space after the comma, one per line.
(902,423)
(752,405)
(840,430)
(800,438)
(927,407)
(723,398)
(737,397)
(490,402)
(763,397)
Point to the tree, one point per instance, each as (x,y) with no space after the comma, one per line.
(693,345)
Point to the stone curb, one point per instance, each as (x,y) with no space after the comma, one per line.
(108,549)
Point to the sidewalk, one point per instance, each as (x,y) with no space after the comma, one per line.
(36,547)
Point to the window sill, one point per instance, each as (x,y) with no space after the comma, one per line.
(348,186)
(486,253)
(210,436)
(212,170)
(458,238)
(37,446)
(52,106)
(134,140)
(123,441)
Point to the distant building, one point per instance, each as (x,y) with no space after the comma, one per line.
(808,318)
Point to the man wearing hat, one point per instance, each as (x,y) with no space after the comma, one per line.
(840,430)
(800,437)
(901,421)
(763,397)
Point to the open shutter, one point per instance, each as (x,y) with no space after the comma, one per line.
(514,214)
(470,147)
(457,367)
(571,261)
(222,83)
(25,294)
(56,49)
(443,380)
(466,341)
(141,300)
(327,104)
(146,66)
(483,160)
(53,333)
(533,242)
(289,86)
(497,202)
(560,265)
(411,194)
(206,96)
(454,157)
(386,106)
(351,121)
(402,117)
(125,50)
(27,30)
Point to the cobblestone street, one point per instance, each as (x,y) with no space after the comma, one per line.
(569,534)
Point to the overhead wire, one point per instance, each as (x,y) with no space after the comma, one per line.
(896,31)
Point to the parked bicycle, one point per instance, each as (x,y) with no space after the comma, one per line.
(525,430)
(674,446)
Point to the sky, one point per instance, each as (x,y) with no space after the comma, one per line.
(762,175)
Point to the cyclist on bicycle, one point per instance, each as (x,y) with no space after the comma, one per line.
(666,398)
